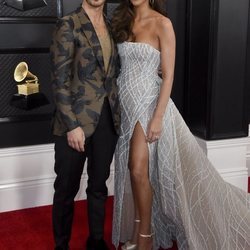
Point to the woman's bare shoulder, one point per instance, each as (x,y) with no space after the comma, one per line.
(161,22)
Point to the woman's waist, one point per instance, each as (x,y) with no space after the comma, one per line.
(139,71)
(150,78)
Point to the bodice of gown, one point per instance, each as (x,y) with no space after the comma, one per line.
(139,61)
(138,82)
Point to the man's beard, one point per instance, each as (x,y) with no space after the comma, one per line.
(95,3)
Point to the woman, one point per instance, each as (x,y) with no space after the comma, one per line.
(171,190)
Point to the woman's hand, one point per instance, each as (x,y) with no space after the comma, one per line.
(154,129)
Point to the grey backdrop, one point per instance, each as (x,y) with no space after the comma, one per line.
(70,5)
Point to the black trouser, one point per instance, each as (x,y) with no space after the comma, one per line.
(69,163)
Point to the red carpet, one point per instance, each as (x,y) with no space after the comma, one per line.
(31,229)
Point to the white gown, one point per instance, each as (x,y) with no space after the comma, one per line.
(192,204)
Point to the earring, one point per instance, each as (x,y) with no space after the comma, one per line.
(151,2)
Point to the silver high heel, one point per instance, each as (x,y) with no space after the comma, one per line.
(128,245)
(146,235)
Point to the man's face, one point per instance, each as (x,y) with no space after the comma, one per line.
(95,3)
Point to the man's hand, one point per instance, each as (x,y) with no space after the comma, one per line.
(76,139)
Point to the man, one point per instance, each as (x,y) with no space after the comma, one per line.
(86,121)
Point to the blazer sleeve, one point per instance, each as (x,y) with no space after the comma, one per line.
(62,58)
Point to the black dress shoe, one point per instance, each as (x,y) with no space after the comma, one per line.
(61,248)
(93,244)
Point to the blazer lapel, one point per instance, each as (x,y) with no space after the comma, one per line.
(89,31)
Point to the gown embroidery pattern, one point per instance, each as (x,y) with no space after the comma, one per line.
(192,204)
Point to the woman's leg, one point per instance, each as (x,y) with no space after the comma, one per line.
(142,190)
(136,219)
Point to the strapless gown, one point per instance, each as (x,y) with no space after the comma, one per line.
(192,204)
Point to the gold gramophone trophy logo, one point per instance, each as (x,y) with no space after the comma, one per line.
(31,85)
(28,96)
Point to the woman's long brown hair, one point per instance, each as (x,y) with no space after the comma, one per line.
(123,19)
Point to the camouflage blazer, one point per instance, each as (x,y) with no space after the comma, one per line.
(79,80)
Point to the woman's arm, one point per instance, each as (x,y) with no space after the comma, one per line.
(167,44)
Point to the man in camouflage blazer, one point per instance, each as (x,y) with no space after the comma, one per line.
(86,121)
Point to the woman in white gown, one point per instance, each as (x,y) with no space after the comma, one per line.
(165,187)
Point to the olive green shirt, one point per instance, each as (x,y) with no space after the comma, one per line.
(106,49)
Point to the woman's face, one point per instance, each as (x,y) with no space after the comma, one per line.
(137,3)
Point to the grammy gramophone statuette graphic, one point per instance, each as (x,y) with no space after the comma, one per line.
(28,96)
(24,5)
(22,73)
